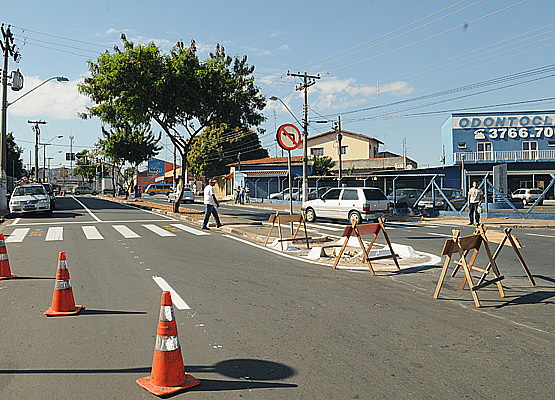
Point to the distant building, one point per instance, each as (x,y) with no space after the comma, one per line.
(359,153)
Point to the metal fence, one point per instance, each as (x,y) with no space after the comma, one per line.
(438,194)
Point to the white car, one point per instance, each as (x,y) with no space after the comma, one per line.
(350,203)
(188,196)
(284,195)
(528,196)
(30,198)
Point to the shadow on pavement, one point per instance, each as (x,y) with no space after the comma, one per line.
(540,297)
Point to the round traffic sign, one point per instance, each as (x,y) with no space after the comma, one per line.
(289,137)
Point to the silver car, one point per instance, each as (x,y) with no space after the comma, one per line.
(84,190)
(30,198)
(351,203)
(188,196)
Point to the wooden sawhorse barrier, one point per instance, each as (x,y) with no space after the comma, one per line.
(464,245)
(367,229)
(285,218)
(505,238)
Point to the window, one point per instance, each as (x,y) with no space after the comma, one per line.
(551,143)
(485,151)
(332,194)
(350,194)
(530,150)
(462,145)
(317,151)
(344,149)
(374,194)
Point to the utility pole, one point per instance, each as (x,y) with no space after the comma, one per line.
(36,129)
(8,49)
(339,139)
(308,81)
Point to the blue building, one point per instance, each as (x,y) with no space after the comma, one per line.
(523,142)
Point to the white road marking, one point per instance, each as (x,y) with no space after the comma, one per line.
(125,231)
(17,235)
(176,299)
(439,234)
(190,230)
(86,209)
(55,233)
(537,234)
(329,228)
(159,231)
(16,221)
(91,232)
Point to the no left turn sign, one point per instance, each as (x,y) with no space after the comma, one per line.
(289,137)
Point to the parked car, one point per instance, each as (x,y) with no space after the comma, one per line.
(317,193)
(404,198)
(284,195)
(454,196)
(84,190)
(527,196)
(50,190)
(30,198)
(351,203)
(188,196)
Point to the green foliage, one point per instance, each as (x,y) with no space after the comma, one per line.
(132,143)
(211,151)
(321,166)
(14,163)
(181,93)
(86,166)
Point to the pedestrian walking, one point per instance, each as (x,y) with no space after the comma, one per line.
(237,194)
(210,205)
(475,198)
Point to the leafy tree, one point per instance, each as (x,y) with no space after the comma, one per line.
(322,166)
(181,93)
(86,166)
(211,151)
(129,143)
(14,162)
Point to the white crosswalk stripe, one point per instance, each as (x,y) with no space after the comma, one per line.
(190,230)
(17,235)
(55,233)
(159,231)
(91,233)
(126,232)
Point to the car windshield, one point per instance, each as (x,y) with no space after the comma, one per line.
(29,190)
(404,192)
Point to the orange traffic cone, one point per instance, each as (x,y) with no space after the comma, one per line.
(5,272)
(167,375)
(62,301)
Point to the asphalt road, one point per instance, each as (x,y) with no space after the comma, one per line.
(256,324)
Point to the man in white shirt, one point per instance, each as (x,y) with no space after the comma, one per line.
(210,204)
(475,198)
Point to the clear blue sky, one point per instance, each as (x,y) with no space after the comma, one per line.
(407,48)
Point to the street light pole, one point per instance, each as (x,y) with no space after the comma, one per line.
(71,154)
(44,155)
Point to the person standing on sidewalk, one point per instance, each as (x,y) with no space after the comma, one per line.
(210,205)
(475,198)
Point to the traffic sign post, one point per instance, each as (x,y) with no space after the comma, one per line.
(289,138)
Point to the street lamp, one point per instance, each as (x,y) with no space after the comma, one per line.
(44,155)
(51,158)
(5,104)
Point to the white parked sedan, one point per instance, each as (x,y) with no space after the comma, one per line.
(30,198)
(188,196)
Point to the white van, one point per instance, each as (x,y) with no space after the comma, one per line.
(158,188)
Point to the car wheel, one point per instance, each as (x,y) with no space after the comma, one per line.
(355,216)
(77,193)
(310,215)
